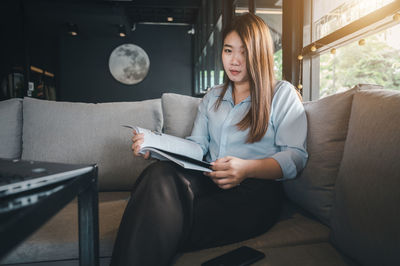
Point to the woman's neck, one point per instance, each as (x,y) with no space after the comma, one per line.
(241,90)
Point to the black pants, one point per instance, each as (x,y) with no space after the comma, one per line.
(173,209)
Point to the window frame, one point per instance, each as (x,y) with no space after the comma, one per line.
(367,25)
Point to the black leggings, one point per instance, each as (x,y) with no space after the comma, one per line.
(173,209)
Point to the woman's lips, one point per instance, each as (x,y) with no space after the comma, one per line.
(234,72)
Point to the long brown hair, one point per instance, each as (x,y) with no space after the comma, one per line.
(257,40)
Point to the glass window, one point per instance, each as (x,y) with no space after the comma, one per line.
(271,13)
(211,60)
(375,62)
(221,76)
(207,49)
(218,50)
(329,16)
(210,17)
(200,80)
(217,10)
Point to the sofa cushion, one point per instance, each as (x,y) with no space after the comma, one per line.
(11,128)
(327,130)
(308,254)
(58,238)
(366,216)
(295,227)
(179,113)
(89,133)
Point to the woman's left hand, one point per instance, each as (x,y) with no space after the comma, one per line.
(228,172)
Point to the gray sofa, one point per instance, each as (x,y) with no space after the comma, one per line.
(343,209)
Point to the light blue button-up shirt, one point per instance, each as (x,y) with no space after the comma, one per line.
(285,140)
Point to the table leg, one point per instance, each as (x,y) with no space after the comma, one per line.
(89,224)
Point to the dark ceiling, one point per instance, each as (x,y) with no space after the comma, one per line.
(103,16)
(182,11)
(156,11)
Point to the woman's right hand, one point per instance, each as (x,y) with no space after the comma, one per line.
(138,140)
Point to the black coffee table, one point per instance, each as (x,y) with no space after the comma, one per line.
(17,225)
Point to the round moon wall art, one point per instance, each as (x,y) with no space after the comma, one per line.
(129,64)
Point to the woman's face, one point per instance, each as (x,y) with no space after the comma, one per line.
(234,58)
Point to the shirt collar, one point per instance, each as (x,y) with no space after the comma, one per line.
(229,97)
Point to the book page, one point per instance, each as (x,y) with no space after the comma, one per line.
(169,143)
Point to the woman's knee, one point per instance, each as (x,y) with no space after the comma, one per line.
(159,174)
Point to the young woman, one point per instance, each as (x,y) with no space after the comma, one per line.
(252,129)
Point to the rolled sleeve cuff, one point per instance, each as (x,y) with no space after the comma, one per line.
(287,165)
(201,141)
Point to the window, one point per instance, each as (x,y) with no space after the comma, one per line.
(347,42)
(329,16)
(207,46)
(376,61)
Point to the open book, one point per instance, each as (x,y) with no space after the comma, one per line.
(185,153)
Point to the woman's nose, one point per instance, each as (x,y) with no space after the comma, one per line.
(235,60)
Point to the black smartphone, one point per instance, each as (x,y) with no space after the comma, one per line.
(238,257)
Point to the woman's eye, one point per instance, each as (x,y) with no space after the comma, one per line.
(227,50)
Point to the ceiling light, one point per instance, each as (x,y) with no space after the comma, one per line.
(192,31)
(72,29)
(121,31)
(170,19)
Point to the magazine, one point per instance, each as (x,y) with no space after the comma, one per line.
(183,152)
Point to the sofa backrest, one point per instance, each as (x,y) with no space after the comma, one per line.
(10,128)
(366,214)
(89,133)
(328,120)
(179,113)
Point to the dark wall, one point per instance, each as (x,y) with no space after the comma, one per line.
(35,34)
(85,75)
(12,49)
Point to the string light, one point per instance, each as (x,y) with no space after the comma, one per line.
(361,42)
(300,86)
(333,51)
(396,17)
(313,48)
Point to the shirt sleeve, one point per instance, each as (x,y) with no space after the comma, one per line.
(290,123)
(200,133)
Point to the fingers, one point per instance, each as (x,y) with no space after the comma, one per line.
(220,166)
(137,140)
(137,137)
(147,155)
(222,182)
(136,149)
(222,179)
(217,174)
(228,186)
(223,159)
(225,183)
